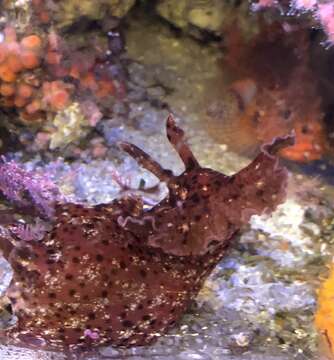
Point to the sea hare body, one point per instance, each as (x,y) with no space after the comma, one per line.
(121,273)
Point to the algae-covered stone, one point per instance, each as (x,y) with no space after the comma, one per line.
(69,11)
(70,125)
(211,18)
(209,15)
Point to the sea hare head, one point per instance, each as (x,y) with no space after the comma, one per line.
(121,273)
(204,207)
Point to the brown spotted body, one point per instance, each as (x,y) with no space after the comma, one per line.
(121,274)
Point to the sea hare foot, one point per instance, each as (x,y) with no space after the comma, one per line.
(120,273)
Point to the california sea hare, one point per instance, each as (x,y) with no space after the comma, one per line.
(122,273)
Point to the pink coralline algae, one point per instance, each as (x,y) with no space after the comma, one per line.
(323,11)
(325,14)
(123,273)
(27,190)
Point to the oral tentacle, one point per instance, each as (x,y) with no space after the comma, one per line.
(175,136)
(279,143)
(146,161)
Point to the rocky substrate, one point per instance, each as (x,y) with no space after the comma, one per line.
(259,302)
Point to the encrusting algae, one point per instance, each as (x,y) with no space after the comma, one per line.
(122,273)
(324,318)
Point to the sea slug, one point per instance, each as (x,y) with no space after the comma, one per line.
(122,273)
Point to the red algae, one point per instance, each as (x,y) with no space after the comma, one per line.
(270,98)
(122,273)
(39,74)
(19,60)
(56,95)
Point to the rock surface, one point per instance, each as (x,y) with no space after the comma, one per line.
(71,10)
(212,16)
